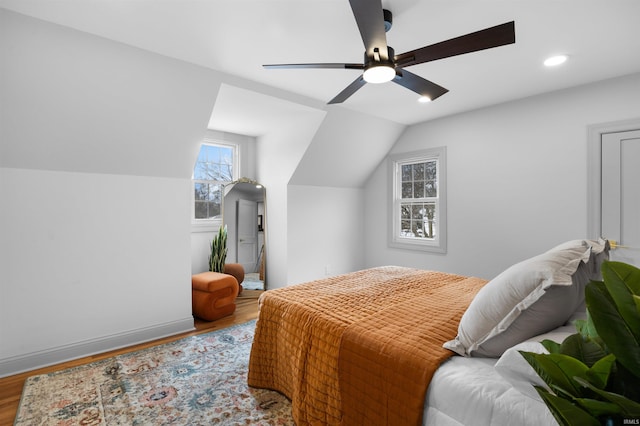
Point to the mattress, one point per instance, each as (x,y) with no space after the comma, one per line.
(471,391)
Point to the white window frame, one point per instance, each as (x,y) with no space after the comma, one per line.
(208,225)
(439,243)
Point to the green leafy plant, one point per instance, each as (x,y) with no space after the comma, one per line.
(593,377)
(218,254)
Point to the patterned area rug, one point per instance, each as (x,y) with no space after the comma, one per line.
(199,380)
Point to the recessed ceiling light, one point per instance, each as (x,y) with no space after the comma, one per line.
(555,60)
(424,99)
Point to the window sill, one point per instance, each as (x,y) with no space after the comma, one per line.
(206,225)
(419,245)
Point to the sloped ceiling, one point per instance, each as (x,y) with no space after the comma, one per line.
(71,101)
(238,36)
(346,149)
(235,37)
(247,112)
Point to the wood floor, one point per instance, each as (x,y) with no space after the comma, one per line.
(11,387)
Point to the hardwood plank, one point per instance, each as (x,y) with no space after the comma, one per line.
(11,387)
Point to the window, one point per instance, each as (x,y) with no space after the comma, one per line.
(215,167)
(419,200)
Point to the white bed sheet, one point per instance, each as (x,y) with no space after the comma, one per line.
(469,391)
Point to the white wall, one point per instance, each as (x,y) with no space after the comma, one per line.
(87,256)
(97,143)
(325,231)
(325,198)
(278,154)
(517,178)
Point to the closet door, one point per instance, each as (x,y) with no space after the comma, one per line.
(620,197)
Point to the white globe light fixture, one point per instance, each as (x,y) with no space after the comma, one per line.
(377,74)
(379,69)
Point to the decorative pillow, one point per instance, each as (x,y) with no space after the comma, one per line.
(599,252)
(529,298)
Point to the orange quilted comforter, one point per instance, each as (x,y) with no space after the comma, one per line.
(359,348)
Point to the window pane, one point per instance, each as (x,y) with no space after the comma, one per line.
(419,180)
(406,173)
(417,220)
(418,171)
(418,189)
(208,199)
(405,211)
(430,189)
(407,190)
(214,163)
(430,170)
(201,191)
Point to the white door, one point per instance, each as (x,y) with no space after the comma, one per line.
(247,235)
(620,208)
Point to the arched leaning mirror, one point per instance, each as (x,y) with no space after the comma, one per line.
(243,212)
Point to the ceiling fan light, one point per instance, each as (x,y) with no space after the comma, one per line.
(379,74)
(424,99)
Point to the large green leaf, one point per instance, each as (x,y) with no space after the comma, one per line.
(589,332)
(628,274)
(558,371)
(599,372)
(623,282)
(585,350)
(551,346)
(612,328)
(565,412)
(629,407)
(598,408)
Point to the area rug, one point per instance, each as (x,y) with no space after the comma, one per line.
(198,380)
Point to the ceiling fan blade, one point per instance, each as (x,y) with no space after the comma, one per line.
(325,66)
(488,38)
(421,86)
(348,91)
(370,20)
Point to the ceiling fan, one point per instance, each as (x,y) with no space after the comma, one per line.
(381,64)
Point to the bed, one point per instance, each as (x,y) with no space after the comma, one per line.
(394,345)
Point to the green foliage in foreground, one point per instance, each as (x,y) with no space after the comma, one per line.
(593,377)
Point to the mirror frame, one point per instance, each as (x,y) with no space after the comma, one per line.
(225,191)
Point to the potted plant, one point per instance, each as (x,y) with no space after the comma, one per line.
(218,251)
(593,377)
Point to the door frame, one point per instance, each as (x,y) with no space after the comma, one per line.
(594,169)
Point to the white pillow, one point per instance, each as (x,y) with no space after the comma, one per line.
(529,298)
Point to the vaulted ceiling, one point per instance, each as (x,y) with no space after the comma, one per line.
(602,40)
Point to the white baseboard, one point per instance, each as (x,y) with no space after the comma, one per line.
(34,360)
